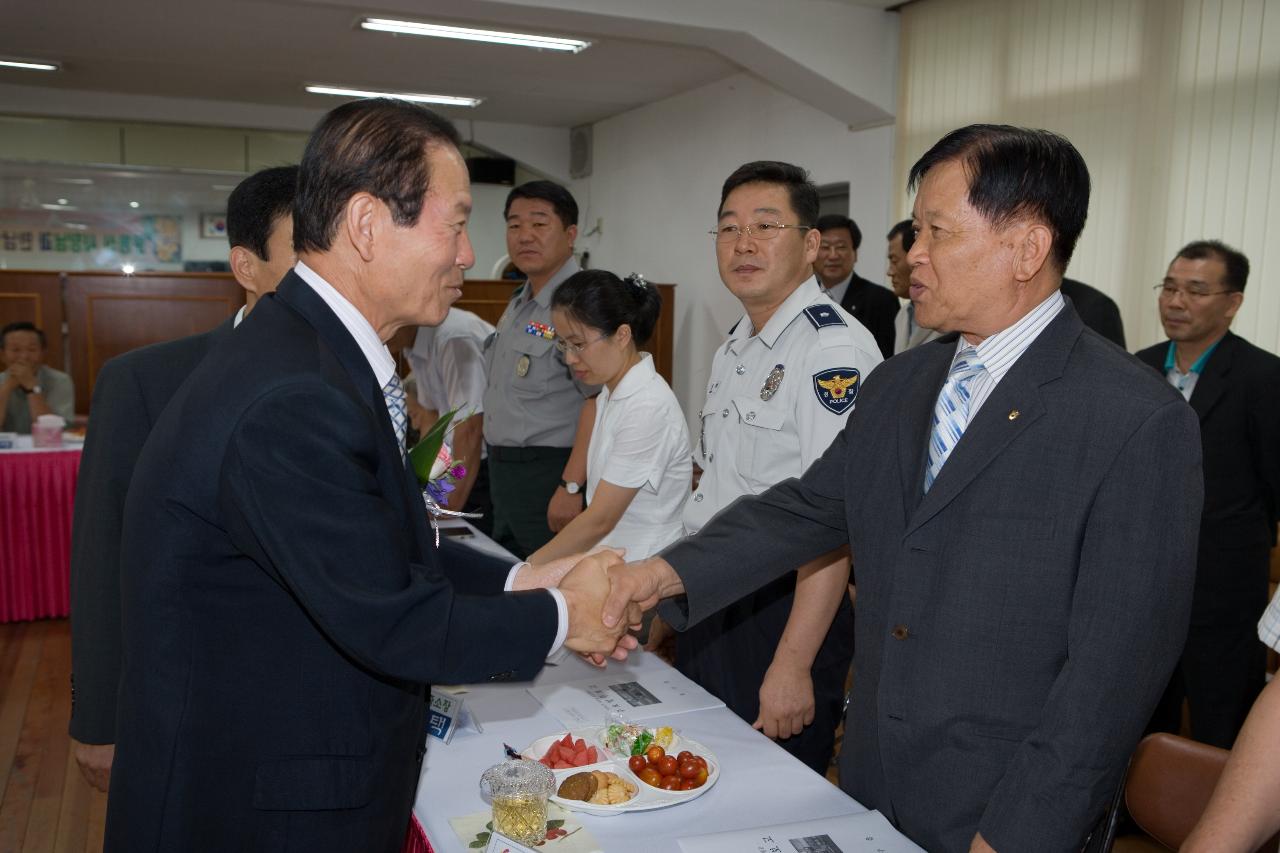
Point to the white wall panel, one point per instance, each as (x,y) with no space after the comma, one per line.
(1175,105)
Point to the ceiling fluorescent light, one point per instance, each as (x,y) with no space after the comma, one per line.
(59,207)
(445,100)
(30,66)
(414,28)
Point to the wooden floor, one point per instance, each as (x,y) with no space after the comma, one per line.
(46,804)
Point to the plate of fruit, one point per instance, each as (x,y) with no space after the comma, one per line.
(625,768)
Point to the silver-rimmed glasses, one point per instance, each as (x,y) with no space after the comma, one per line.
(565,347)
(758,230)
(1168,291)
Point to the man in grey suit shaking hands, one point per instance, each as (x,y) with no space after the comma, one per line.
(1021,502)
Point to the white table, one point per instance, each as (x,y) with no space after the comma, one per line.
(760,783)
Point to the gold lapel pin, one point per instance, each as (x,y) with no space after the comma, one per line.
(1013,414)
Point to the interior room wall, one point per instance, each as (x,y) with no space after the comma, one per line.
(655,187)
(1175,105)
(487,230)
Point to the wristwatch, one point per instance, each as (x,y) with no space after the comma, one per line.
(34,389)
(571,488)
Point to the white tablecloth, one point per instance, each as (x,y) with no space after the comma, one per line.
(760,783)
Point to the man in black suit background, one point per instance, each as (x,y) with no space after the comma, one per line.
(1097,310)
(870,304)
(130,392)
(284,607)
(1234,388)
(1019,498)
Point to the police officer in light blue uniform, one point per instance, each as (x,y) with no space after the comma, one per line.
(781,387)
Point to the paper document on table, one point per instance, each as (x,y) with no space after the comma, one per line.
(868,832)
(643,696)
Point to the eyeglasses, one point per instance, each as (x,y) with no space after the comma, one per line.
(565,347)
(759,230)
(1168,291)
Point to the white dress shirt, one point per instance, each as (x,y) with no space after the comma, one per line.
(640,441)
(839,289)
(1002,350)
(448,363)
(1269,624)
(384,366)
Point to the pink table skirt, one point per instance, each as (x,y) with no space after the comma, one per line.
(37,493)
(415,840)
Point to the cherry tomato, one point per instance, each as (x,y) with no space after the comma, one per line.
(637,763)
(701,761)
(650,776)
(688,784)
(701,778)
(655,753)
(670,783)
(688,768)
(668,765)
(684,756)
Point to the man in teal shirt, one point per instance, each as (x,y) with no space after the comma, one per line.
(1232,385)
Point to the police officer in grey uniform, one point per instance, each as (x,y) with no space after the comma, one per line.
(781,387)
(532,402)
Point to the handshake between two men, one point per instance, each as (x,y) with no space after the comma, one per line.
(606,597)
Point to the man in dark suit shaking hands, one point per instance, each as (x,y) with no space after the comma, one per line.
(1020,499)
(284,605)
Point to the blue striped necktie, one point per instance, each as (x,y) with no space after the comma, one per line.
(393,394)
(951,412)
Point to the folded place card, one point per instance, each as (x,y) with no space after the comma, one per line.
(868,832)
(631,696)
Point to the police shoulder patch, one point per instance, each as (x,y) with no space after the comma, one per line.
(837,388)
(824,315)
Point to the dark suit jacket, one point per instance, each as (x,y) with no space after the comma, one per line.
(1237,399)
(284,606)
(874,307)
(1016,625)
(130,392)
(1097,310)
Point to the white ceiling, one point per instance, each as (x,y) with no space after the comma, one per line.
(254,51)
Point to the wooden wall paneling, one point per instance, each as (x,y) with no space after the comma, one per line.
(109,314)
(37,298)
(488,299)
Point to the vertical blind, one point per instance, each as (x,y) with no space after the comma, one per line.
(1175,105)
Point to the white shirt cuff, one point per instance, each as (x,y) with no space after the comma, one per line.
(562,610)
(562,628)
(511,576)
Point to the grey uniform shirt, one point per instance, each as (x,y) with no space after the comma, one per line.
(531,399)
(59,394)
(776,399)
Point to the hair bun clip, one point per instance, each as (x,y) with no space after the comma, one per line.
(637,280)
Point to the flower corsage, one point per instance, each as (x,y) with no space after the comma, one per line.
(438,472)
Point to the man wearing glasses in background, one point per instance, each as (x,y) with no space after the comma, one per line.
(781,388)
(1232,385)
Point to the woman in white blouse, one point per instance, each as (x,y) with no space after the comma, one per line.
(638,461)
